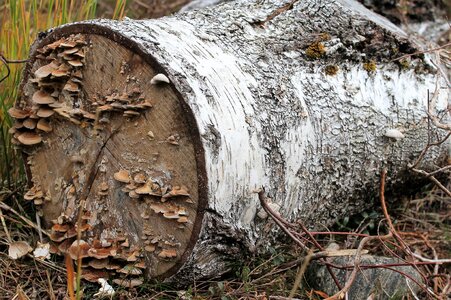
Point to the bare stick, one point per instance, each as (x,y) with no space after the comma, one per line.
(422,52)
(300,273)
(262,198)
(9,61)
(277,218)
(4,227)
(28,222)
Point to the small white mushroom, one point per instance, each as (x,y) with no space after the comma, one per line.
(18,249)
(394,134)
(159,78)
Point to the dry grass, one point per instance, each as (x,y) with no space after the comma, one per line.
(426,222)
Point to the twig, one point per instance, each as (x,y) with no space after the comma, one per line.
(282,298)
(300,274)
(9,61)
(400,264)
(340,294)
(28,222)
(275,217)
(435,180)
(4,227)
(279,220)
(431,110)
(338,233)
(411,290)
(422,52)
(434,261)
(38,223)
(316,255)
(429,145)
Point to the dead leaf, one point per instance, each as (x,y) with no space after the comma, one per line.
(18,249)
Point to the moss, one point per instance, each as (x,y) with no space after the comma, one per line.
(404,64)
(370,66)
(331,70)
(315,50)
(394,50)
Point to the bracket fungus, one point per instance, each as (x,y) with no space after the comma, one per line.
(394,134)
(159,78)
(29,138)
(96,162)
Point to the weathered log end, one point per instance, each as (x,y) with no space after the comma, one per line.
(106,136)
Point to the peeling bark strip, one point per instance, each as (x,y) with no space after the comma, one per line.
(158,131)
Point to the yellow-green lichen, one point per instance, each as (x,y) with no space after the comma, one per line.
(370,66)
(404,64)
(331,70)
(324,36)
(315,50)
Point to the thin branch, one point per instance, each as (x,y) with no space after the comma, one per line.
(315,256)
(435,180)
(262,198)
(422,52)
(428,146)
(300,274)
(341,294)
(279,220)
(6,62)
(28,222)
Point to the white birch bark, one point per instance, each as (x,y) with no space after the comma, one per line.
(269,116)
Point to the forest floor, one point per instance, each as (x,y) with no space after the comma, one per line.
(422,221)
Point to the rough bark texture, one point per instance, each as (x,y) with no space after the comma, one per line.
(295,96)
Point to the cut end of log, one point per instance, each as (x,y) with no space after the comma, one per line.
(89,104)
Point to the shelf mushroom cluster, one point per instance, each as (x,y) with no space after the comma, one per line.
(139,186)
(101,258)
(59,92)
(57,89)
(114,256)
(58,78)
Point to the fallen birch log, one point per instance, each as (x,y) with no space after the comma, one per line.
(148,138)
